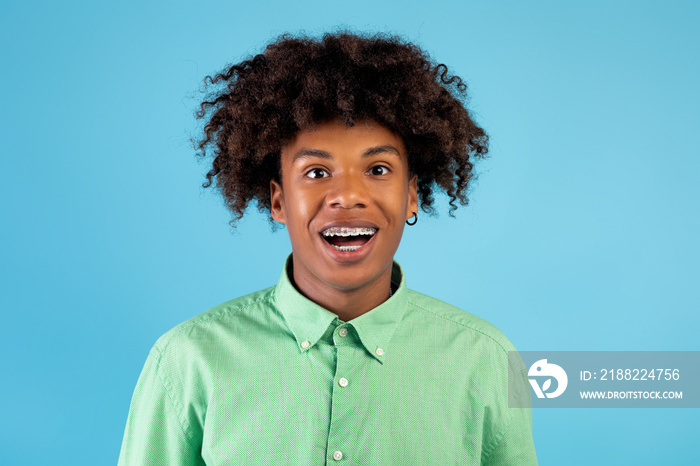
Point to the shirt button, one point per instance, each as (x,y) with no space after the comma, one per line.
(338,455)
(343,382)
(305,344)
(343,332)
(380,352)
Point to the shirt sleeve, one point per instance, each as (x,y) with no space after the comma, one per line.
(156,433)
(516,447)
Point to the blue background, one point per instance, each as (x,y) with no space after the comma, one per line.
(582,233)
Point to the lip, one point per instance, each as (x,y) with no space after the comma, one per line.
(348,256)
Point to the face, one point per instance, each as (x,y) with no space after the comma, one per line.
(345,197)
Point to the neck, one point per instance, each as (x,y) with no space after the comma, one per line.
(346,303)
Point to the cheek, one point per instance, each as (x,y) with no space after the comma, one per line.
(397,199)
(303,207)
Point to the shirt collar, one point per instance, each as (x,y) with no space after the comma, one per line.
(309,322)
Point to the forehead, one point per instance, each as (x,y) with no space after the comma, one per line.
(334,139)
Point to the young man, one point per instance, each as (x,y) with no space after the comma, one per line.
(341,139)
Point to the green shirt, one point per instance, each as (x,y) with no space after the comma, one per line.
(273,378)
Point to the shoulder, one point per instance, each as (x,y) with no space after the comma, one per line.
(456,320)
(231,317)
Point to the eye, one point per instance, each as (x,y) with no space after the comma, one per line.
(379,170)
(317,173)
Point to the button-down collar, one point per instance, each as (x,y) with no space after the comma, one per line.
(309,322)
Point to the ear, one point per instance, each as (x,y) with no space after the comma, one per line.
(277,209)
(412,205)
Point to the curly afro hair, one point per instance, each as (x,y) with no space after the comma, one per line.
(255,107)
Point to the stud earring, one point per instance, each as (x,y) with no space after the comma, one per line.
(415,219)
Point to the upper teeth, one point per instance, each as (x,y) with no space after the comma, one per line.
(335,231)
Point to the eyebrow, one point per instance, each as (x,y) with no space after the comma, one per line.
(376,150)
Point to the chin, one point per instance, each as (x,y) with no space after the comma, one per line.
(355,276)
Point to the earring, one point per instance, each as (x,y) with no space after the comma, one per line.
(415,219)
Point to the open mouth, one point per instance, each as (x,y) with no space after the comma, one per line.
(348,239)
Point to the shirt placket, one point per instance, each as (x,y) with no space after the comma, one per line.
(347,386)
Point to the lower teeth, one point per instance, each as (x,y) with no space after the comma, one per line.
(347,248)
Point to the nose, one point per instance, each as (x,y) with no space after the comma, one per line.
(347,191)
